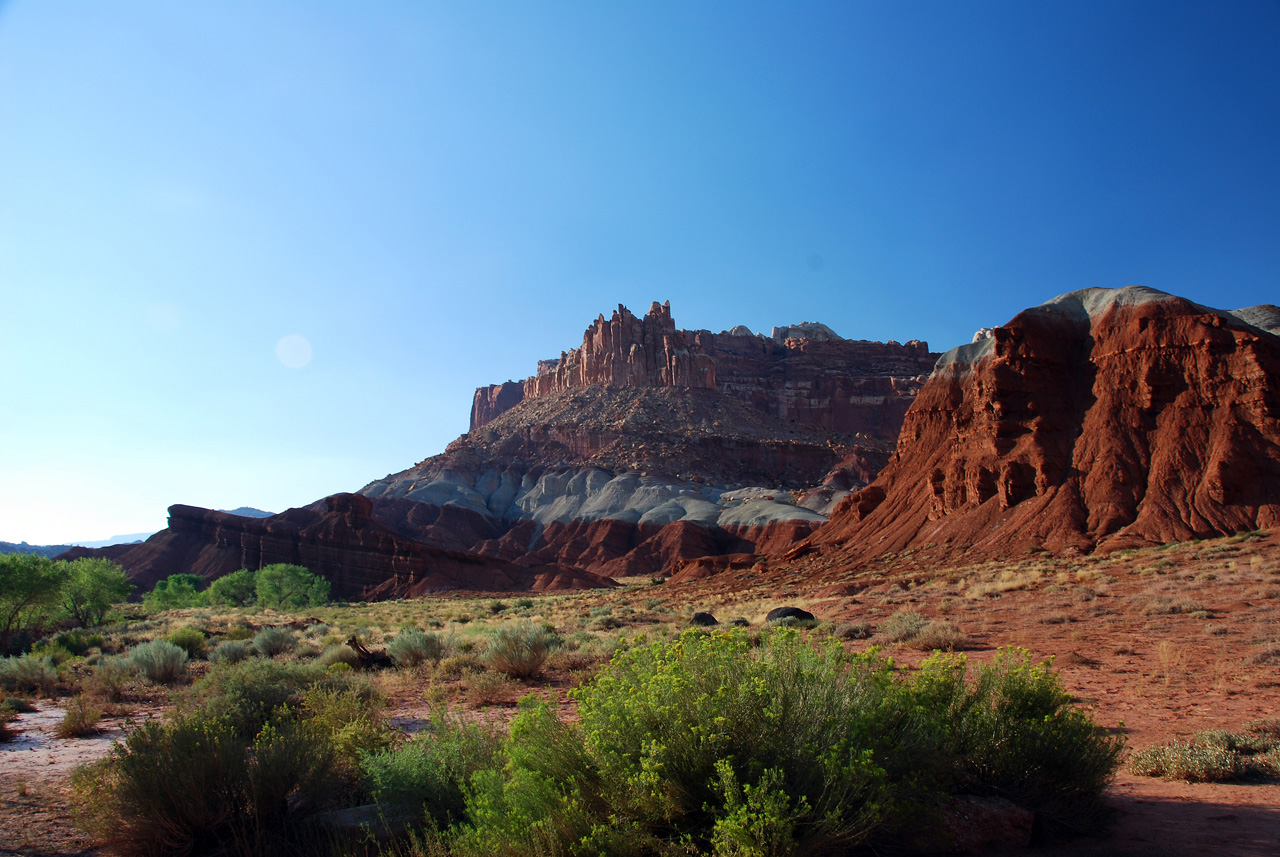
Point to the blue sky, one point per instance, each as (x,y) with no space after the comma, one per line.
(435,195)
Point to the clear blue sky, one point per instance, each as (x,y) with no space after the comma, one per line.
(435,195)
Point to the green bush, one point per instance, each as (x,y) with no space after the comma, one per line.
(29,674)
(93,586)
(519,649)
(282,587)
(230,652)
(30,587)
(190,640)
(79,642)
(270,642)
(174,593)
(159,661)
(250,693)
(784,748)
(412,647)
(430,773)
(237,589)
(110,678)
(196,785)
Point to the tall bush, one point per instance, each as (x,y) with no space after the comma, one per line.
(283,586)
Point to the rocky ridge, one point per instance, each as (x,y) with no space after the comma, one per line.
(1102,419)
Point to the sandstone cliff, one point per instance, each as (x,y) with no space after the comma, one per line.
(336,537)
(1105,418)
(804,373)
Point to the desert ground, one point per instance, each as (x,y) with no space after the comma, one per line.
(1155,644)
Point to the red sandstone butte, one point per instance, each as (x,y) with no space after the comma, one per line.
(1106,418)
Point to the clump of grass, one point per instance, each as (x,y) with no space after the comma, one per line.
(519,649)
(1215,756)
(1164,605)
(272,641)
(159,661)
(902,626)
(412,647)
(854,631)
(487,688)
(110,678)
(230,652)
(81,718)
(939,635)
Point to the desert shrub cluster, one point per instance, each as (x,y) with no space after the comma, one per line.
(714,742)
(1215,756)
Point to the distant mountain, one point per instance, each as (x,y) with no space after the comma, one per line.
(41,550)
(248,512)
(127,539)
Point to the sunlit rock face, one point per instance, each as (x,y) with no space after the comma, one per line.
(1105,418)
(648,446)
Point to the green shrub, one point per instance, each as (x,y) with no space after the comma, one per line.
(1215,756)
(230,652)
(353,719)
(239,632)
(283,586)
(237,589)
(195,783)
(412,647)
(339,653)
(430,773)
(784,748)
(190,640)
(272,641)
(29,674)
(159,661)
(250,693)
(93,586)
(519,649)
(79,641)
(174,593)
(17,705)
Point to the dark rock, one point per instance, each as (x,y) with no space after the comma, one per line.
(705,620)
(779,613)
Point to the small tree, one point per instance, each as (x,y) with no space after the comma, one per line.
(30,586)
(92,586)
(237,589)
(286,586)
(175,592)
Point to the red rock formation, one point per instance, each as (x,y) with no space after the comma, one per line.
(819,379)
(495,400)
(625,351)
(338,539)
(843,385)
(1105,418)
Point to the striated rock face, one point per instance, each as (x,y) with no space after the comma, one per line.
(846,386)
(1105,418)
(338,538)
(495,400)
(625,351)
(804,373)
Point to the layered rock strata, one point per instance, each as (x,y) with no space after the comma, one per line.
(1105,418)
(337,537)
(804,373)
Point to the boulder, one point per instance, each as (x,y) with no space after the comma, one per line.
(703,620)
(779,613)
